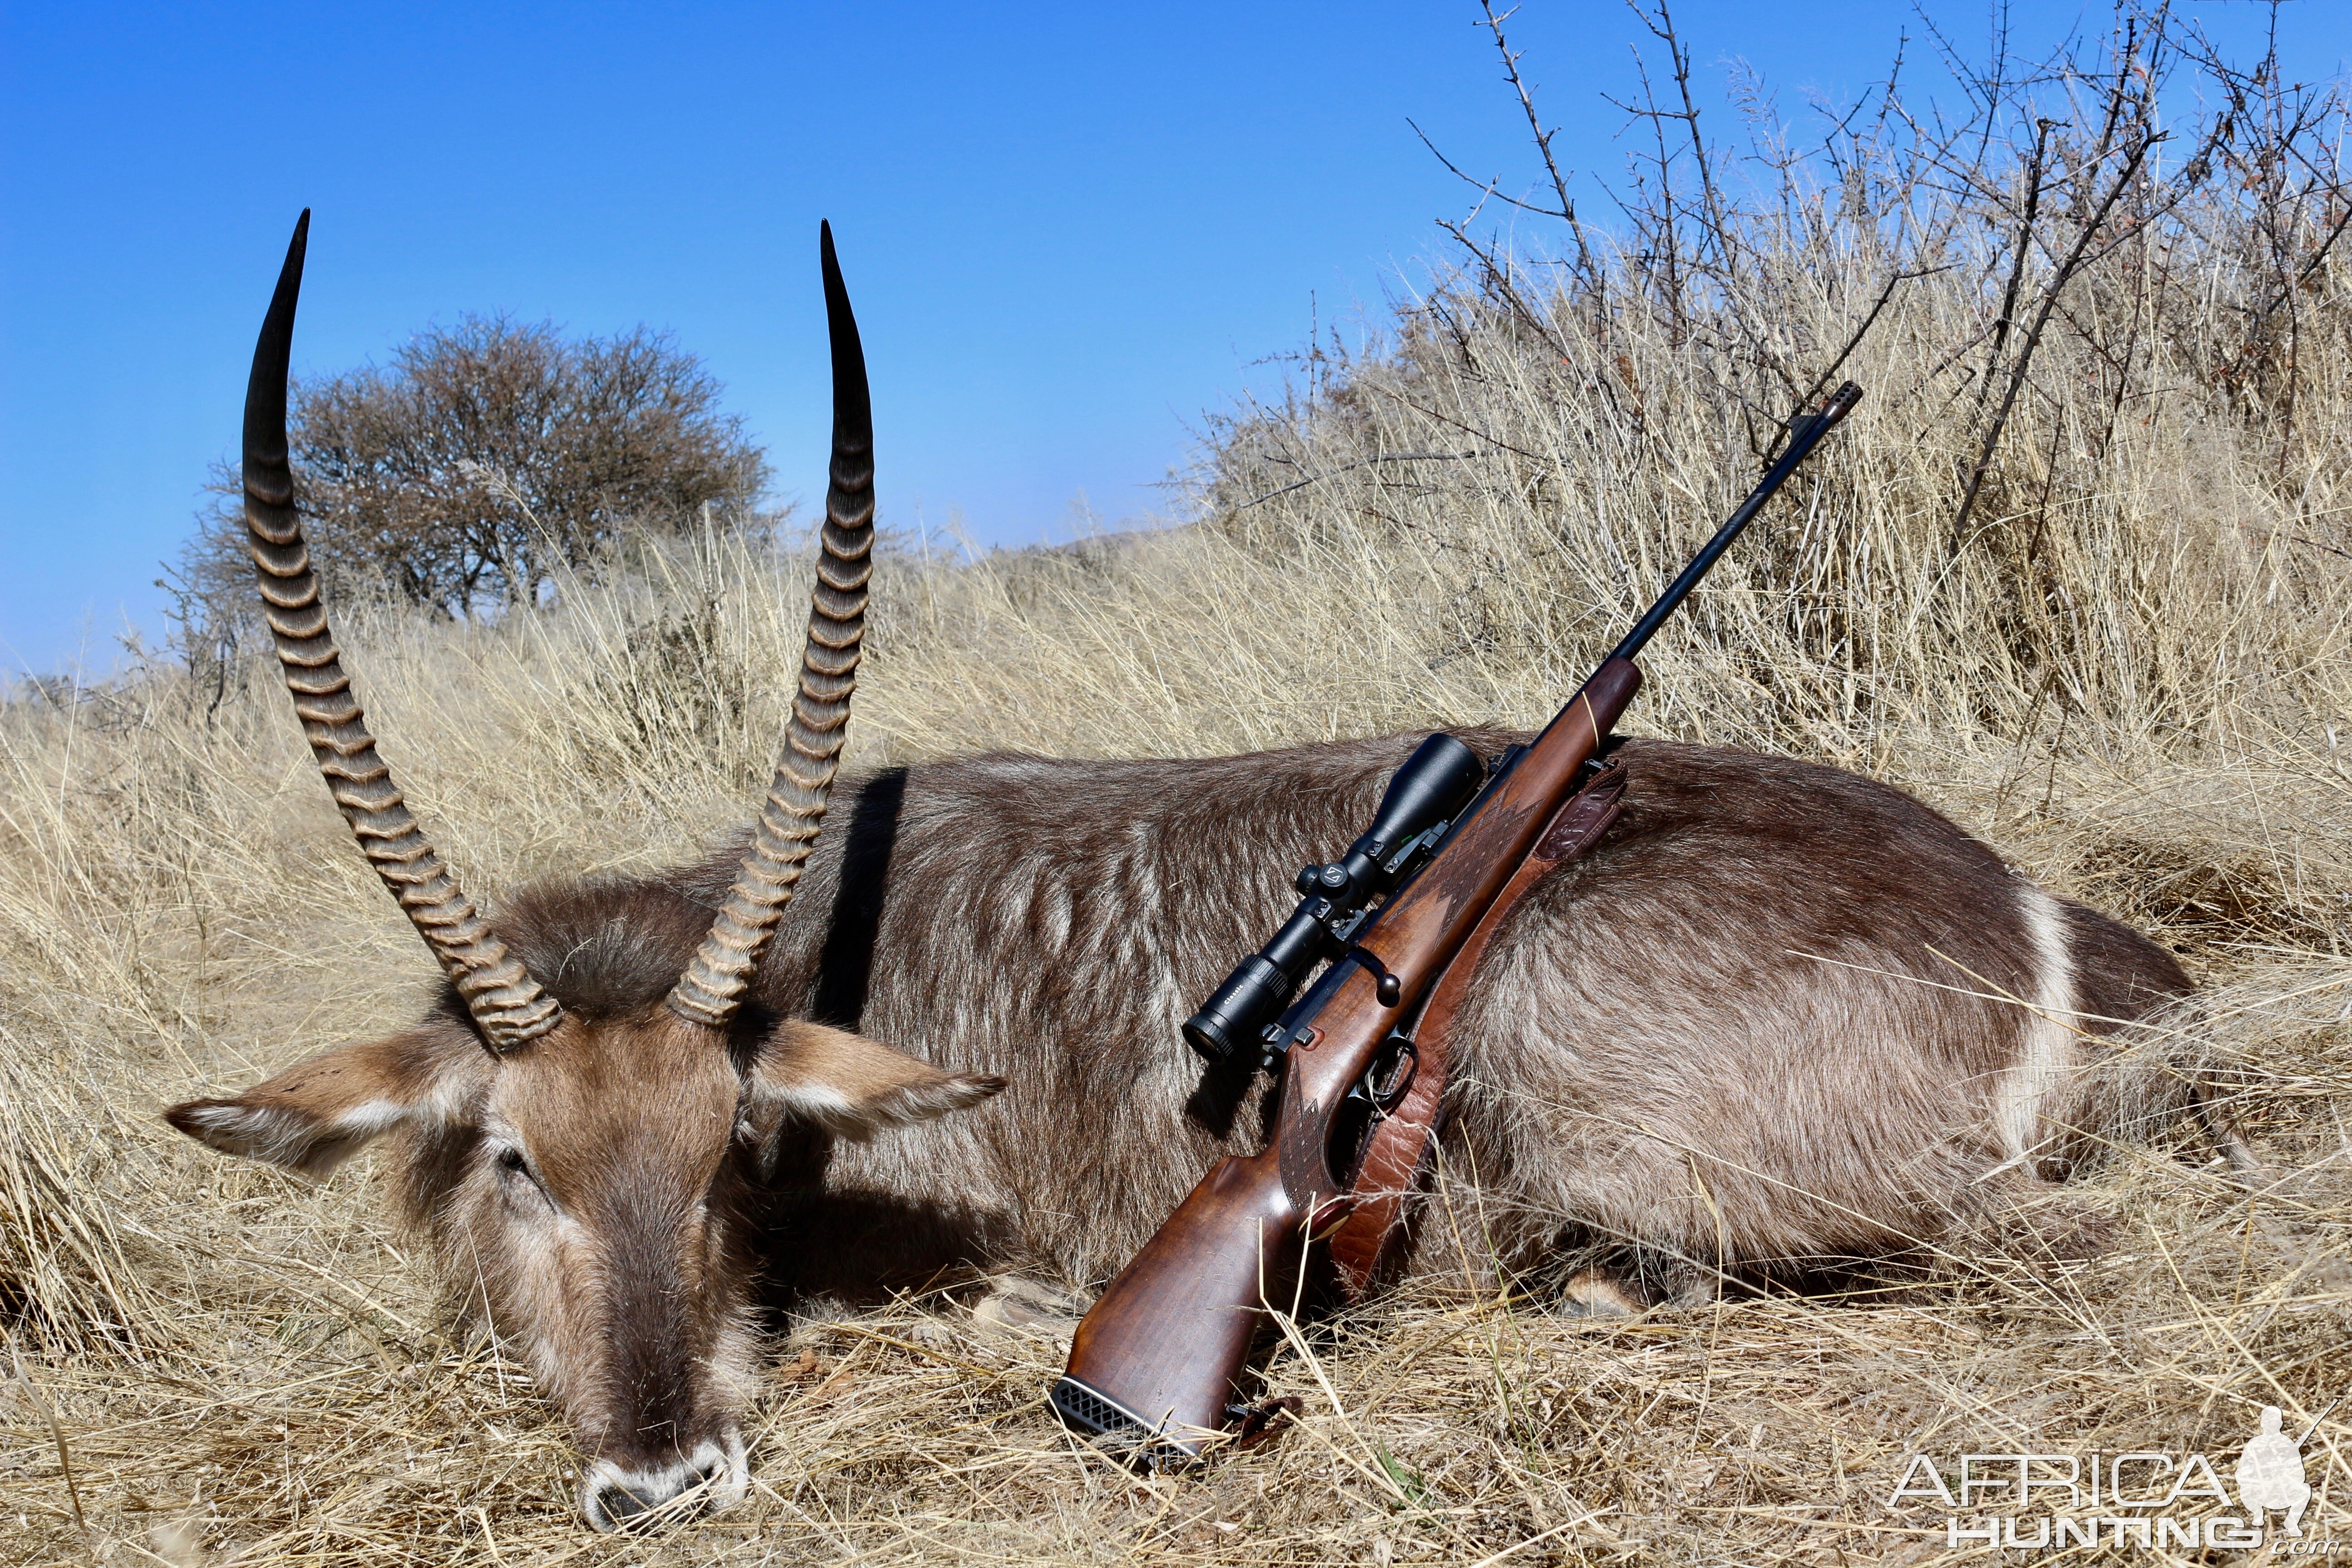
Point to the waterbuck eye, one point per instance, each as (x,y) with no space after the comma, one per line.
(514,1166)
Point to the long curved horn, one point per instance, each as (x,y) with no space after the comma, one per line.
(712,986)
(504,999)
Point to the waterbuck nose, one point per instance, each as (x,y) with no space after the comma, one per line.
(613,1497)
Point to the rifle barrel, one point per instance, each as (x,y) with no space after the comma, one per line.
(1804,437)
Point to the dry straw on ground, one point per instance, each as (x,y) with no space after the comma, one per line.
(2126,666)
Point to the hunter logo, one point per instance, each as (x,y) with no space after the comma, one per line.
(2158,1501)
(2269,1474)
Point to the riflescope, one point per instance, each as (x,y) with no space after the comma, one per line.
(1423,797)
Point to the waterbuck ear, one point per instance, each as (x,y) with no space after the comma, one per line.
(849,1085)
(317,1114)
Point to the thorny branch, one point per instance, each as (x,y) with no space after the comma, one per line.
(2010,152)
(1567,213)
(2064,274)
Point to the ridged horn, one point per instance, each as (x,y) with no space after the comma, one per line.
(504,1001)
(713,987)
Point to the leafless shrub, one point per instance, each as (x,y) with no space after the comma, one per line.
(2042,291)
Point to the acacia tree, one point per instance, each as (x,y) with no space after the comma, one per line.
(485,458)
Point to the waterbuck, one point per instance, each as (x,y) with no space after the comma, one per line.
(1781,1017)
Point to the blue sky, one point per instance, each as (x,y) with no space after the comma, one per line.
(1068,230)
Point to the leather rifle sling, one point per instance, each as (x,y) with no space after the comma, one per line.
(1399,1151)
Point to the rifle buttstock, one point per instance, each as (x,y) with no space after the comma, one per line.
(1159,1360)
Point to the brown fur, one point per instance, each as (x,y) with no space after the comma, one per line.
(1782,1017)
(1753,970)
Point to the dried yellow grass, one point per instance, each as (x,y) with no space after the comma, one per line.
(238,1361)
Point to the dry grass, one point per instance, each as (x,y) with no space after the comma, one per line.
(2129,670)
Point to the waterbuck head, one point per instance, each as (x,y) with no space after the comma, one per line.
(594,1172)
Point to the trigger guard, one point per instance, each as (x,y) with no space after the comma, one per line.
(1407,1067)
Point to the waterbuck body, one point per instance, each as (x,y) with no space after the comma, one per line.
(1780,1017)
(1783,1016)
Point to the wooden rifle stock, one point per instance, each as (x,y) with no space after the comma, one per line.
(1158,1359)
(1157,1362)
(1156,1366)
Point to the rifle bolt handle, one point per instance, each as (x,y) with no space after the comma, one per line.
(1391,991)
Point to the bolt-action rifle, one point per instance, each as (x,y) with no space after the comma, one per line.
(1156,1366)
